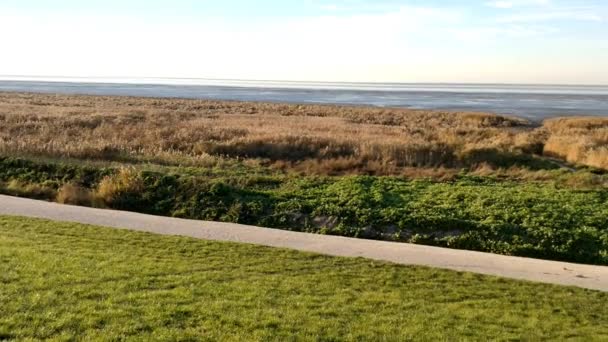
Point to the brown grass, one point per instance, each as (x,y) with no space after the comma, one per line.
(111,188)
(74,194)
(582,140)
(306,138)
(19,188)
(125,181)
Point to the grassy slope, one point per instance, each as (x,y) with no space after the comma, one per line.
(533,219)
(61,280)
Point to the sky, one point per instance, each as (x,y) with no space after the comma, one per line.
(460,41)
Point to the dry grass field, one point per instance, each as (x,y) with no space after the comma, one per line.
(310,139)
(578,140)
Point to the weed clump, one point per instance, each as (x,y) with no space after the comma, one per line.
(118,189)
(71,193)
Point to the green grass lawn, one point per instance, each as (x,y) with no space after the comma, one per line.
(63,281)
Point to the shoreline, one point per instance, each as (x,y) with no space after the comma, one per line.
(529,122)
(525,104)
(290,84)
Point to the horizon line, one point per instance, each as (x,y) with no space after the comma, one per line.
(50,77)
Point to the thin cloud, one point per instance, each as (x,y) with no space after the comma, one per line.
(500,4)
(509,4)
(489,34)
(530,11)
(551,16)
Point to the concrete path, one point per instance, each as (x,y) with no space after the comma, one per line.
(587,276)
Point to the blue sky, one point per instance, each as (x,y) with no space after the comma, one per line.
(493,41)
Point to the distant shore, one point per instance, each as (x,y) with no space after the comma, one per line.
(534,102)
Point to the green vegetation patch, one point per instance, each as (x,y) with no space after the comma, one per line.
(532,219)
(65,281)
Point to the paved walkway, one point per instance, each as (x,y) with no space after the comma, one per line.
(587,276)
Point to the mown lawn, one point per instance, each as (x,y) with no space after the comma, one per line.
(63,281)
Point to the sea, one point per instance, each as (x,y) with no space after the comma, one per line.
(531,101)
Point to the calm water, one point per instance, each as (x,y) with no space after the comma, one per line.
(530,101)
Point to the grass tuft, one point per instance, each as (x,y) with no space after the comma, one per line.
(74,194)
(125,183)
